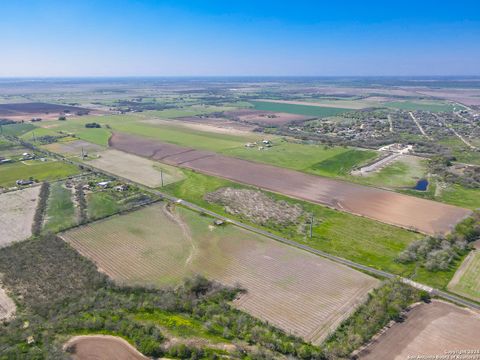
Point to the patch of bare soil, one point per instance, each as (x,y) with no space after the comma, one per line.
(266,118)
(7,306)
(17,209)
(74,147)
(255,206)
(101,347)
(215,125)
(429,329)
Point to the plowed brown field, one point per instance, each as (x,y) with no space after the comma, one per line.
(102,347)
(422,215)
(297,291)
(430,329)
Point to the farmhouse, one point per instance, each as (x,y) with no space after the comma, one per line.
(121,188)
(103,184)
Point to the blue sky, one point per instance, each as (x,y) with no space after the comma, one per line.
(181,38)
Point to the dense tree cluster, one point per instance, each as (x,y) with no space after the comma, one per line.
(469,177)
(41,207)
(384,304)
(437,253)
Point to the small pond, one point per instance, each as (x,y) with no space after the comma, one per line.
(422,185)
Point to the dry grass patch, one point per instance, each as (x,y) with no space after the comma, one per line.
(297,291)
(74,147)
(17,209)
(136,168)
(7,306)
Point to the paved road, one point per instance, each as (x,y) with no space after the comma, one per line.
(433,291)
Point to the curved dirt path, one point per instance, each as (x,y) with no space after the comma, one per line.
(174,216)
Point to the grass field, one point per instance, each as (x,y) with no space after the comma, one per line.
(179,325)
(101,204)
(403,172)
(16,129)
(60,212)
(50,170)
(466,281)
(343,163)
(161,244)
(314,111)
(432,106)
(316,159)
(182,136)
(460,196)
(352,237)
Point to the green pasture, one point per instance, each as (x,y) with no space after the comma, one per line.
(16,129)
(460,196)
(60,213)
(469,282)
(403,172)
(342,163)
(38,170)
(312,158)
(101,204)
(307,110)
(432,106)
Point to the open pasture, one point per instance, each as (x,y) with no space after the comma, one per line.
(36,169)
(392,208)
(432,106)
(61,212)
(466,281)
(265,118)
(17,209)
(292,289)
(336,103)
(429,329)
(306,110)
(74,148)
(136,168)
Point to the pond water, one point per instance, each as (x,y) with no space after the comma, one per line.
(422,185)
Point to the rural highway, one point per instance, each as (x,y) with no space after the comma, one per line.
(435,292)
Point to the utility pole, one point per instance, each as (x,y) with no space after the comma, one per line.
(161,175)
